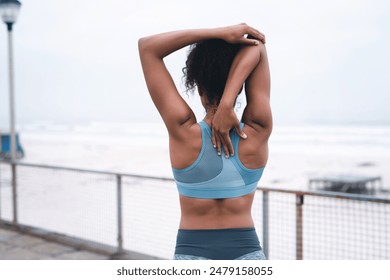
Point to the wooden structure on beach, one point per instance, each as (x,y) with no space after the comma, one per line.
(347,183)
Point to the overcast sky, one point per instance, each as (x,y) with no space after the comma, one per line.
(77,61)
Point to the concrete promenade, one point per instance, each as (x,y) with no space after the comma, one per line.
(18,246)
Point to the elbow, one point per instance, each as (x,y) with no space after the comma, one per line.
(147,46)
(265,123)
(268,125)
(261,119)
(142,42)
(264,119)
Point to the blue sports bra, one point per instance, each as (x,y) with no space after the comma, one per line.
(212,176)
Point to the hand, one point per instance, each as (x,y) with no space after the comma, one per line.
(224,120)
(236,34)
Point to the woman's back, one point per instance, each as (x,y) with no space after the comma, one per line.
(216,192)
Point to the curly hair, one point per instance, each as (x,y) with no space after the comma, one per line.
(207,66)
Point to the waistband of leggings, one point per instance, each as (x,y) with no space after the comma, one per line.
(248,229)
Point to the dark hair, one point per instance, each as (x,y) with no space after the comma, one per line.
(207,66)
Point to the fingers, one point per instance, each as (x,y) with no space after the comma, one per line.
(219,145)
(225,142)
(213,138)
(251,41)
(222,141)
(257,34)
(227,146)
(240,132)
(247,41)
(254,34)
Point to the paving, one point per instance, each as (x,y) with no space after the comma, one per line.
(18,246)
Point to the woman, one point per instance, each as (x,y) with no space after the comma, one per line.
(216,192)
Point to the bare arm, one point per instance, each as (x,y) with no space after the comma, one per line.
(257,112)
(171,106)
(250,66)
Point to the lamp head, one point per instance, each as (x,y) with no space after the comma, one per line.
(9,11)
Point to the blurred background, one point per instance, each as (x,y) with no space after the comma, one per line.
(81,102)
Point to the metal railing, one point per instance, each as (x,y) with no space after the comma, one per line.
(334,210)
(50,178)
(140,213)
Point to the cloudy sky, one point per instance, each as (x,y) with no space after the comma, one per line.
(77,61)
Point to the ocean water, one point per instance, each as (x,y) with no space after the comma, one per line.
(297,153)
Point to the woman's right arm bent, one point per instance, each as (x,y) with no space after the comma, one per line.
(250,66)
(257,112)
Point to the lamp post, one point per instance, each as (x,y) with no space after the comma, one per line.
(9,10)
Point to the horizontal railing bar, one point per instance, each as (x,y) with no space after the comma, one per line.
(82,170)
(331,194)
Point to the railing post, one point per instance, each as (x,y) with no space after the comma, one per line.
(14,194)
(380,184)
(0,184)
(119,213)
(299,226)
(265,224)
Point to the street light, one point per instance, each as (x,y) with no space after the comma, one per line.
(9,11)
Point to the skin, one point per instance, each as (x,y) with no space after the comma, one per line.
(250,67)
